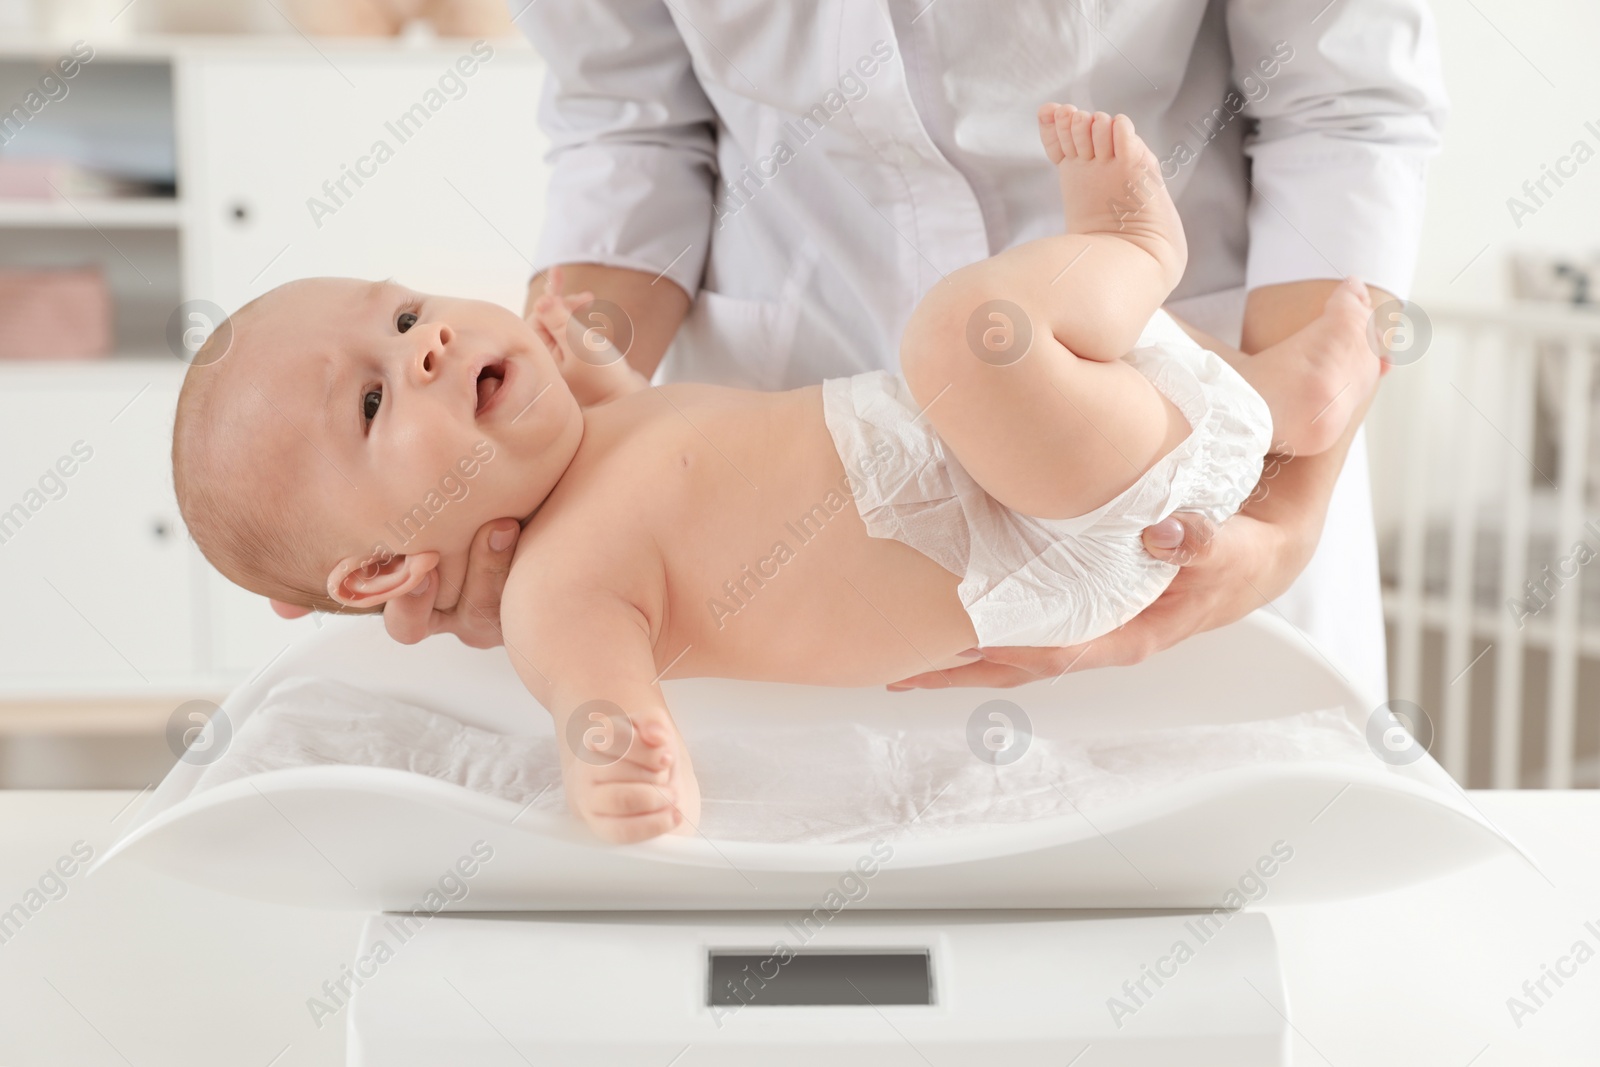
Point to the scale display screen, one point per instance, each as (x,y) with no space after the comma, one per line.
(819,978)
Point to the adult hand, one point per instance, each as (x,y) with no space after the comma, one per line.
(471,611)
(1228,571)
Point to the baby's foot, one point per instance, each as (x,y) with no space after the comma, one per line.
(1111,183)
(1315,379)
(634,787)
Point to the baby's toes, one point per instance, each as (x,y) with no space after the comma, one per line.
(1124,141)
(1358,292)
(1100,134)
(1082,139)
(1349,304)
(1064,116)
(1047,133)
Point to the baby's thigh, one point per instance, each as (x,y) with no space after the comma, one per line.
(1044,432)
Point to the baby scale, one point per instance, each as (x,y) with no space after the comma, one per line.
(1109,935)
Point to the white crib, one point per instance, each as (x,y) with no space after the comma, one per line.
(1485,481)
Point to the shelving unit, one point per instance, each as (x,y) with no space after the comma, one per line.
(141,214)
(116,114)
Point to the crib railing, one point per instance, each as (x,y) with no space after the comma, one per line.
(1481,448)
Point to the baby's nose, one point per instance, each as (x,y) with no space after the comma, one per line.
(428,362)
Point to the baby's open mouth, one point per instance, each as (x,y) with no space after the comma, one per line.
(490,379)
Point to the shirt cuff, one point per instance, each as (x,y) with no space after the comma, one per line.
(644,207)
(1333,208)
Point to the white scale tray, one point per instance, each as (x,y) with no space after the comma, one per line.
(362,837)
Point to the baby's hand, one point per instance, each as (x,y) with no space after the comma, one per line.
(589,363)
(629,778)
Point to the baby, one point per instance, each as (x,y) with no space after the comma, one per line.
(357,435)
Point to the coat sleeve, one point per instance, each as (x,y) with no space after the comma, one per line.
(633,139)
(1349,104)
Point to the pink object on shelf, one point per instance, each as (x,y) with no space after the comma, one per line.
(55,179)
(51,313)
(27,179)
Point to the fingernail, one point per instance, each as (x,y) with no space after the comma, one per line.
(970,653)
(502,538)
(422,586)
(1167,534)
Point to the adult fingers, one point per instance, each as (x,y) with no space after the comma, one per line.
(1159,626)
(289,611)
(1184,538)
(979,673)
(408,618)
(1006,668)
(476,619)
(1133,642)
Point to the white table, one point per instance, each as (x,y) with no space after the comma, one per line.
(130,968)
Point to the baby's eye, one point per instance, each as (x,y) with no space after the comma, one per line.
(406,320)
(369,403)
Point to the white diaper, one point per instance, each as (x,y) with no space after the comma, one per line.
(1050,582)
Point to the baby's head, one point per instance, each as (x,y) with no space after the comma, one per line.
(352,436)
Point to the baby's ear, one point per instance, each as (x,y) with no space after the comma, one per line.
(370,582)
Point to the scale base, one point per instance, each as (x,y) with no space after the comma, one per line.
(844,988)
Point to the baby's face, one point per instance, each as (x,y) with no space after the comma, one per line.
(429,416)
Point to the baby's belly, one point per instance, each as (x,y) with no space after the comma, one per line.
(819,603)
(782,582)
(880,615)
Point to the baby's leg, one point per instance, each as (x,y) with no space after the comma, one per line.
(1318,378)
(993,353)
(1124,239)
(1315,380)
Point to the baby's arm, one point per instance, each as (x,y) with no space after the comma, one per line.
(586,657)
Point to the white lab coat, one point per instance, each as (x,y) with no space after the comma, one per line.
(809,170)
